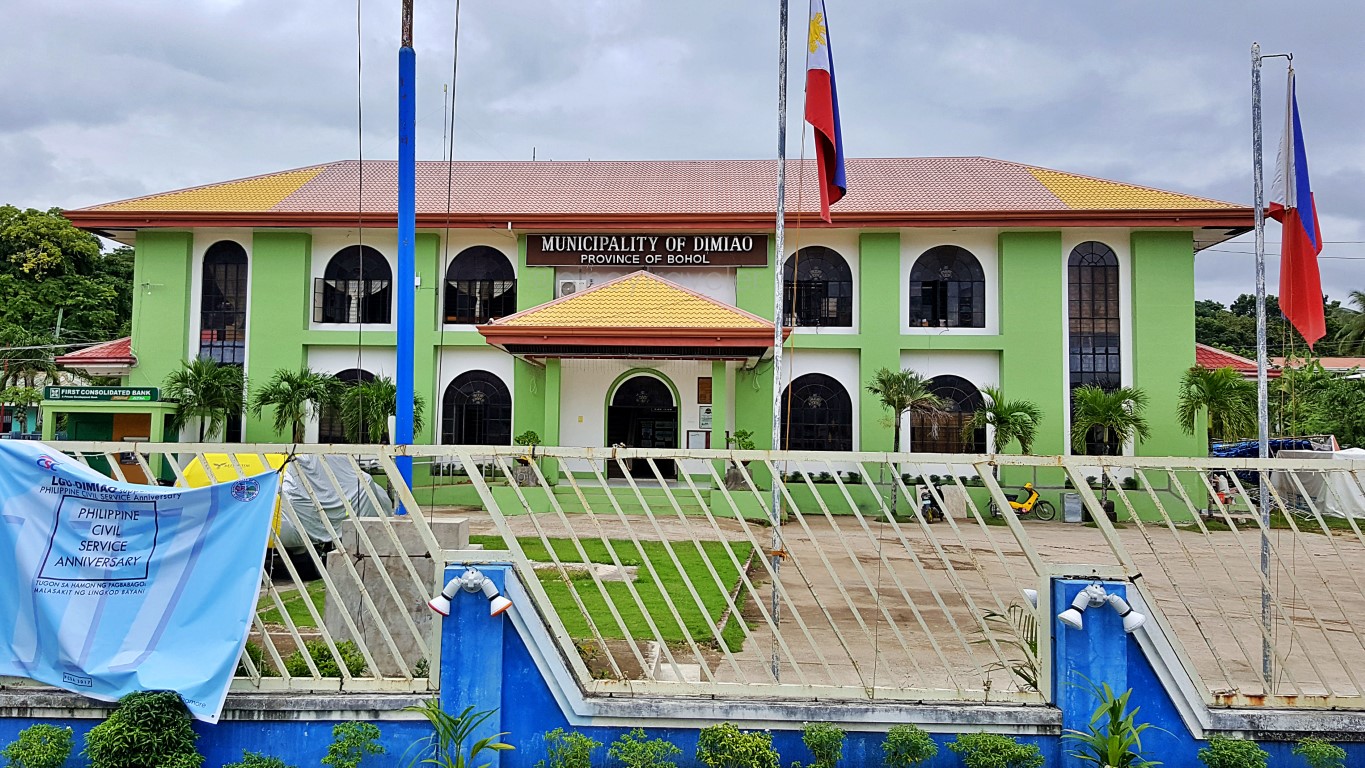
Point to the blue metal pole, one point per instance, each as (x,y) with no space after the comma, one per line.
(407,232)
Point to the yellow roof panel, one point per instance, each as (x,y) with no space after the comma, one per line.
(261,193)
(637,300)
(1086,193)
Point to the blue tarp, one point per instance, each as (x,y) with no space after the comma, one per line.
(108,588)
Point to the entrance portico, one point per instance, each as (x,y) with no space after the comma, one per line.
(639,362)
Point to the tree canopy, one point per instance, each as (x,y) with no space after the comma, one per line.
(1233,327)
(47,266)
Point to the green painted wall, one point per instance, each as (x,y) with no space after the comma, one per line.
(281,307)
(1163,337)
(879,336)
(1032,359)
(754,389)
(162,282)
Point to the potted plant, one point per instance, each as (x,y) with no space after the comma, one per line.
(524,475)
(741,440)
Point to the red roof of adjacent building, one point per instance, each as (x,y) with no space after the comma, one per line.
(714,194)
(116,352)
(1214,358)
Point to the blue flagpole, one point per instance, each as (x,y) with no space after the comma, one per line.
(407,230)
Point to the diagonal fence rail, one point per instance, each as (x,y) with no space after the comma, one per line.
(667,572)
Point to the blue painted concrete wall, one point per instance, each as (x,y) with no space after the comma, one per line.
(486,663)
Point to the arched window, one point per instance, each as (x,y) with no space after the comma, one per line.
(817,415)
(480,286)
(355,288)
(222,303)
(947,289)
(943,433)
(476,410)
(817,289)
(331,428)
(1094,323)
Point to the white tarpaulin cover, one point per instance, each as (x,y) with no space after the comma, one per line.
(1335,494)
(306,473)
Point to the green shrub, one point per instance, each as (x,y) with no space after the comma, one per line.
(825,742)
(724,745)
(450,744)
(351,742)
(853,478)
(148,728)
(296,665)
(257,654)
(568,749)
(257,760)
(39,746)
(633,750)
(1223,752)
(991,750)
(1113,737)
(907,746)
(1320,753)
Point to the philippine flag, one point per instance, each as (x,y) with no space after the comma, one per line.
(822,110)
(1301,240)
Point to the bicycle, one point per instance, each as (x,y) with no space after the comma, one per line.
(1034,504)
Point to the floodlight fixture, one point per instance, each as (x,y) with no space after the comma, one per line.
(1032,596)
(1131,618)
(1090,597)
(472,580)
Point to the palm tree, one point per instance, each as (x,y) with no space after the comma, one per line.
(297,397)
(901,392)
(1352,333)
(367,405)
(1229,399)
(1012,420)
(207,392)
(1113,417)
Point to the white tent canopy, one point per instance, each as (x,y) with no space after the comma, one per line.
(1334,494)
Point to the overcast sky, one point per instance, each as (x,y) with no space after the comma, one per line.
(112,99)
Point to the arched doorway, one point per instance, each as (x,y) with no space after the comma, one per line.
(643,414)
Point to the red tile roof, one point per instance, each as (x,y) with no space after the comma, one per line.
(116,352)
(937,190)
(1214,358)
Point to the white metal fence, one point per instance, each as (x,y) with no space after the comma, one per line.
(667,572)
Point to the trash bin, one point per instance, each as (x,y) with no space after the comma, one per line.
(1072,509)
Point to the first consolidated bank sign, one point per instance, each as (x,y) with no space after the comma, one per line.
(647,250)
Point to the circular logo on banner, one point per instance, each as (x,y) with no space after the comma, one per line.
(245,490)
(47,463)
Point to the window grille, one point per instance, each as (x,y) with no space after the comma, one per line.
(817,415)
(476,410)
(947,289)
(480,286)
(356,287)
(1094,325)
(222,303)
(817,289)
(943,433)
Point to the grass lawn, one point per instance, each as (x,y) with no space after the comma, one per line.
(650,591)
(293,603)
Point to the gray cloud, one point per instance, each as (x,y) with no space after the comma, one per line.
(114,99)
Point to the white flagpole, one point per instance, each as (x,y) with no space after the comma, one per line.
(1262,389)
(779,246)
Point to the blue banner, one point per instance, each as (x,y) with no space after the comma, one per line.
(108,588)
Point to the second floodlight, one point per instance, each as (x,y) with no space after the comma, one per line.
(472,580)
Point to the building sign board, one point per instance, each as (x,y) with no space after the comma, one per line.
(102,394)
(646,250)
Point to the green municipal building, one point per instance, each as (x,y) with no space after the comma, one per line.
(632,303)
